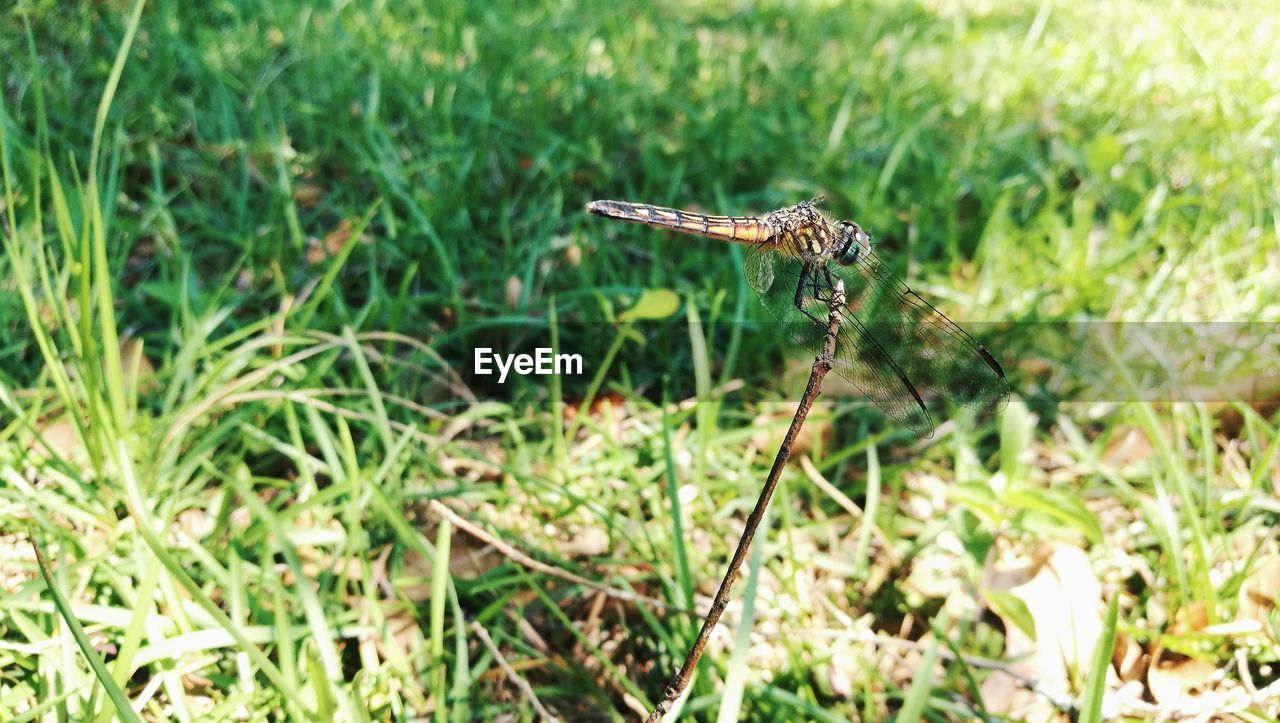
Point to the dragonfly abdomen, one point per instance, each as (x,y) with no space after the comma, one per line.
(739,229)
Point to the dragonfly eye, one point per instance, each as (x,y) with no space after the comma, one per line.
(853,242)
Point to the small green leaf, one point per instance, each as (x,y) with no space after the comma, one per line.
(606,307)
(1102,153)
(1011,607)
(1017,434)
(325,704)
(1065,509)
(653,304)
(978,499)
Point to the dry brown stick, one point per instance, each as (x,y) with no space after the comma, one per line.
(521,558)
(511,673)
(848,505)
(821,366)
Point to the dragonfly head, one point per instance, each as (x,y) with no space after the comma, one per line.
(852,244)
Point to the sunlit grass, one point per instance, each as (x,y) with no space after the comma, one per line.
(230,346)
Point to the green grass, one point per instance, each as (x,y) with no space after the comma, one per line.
(240,282)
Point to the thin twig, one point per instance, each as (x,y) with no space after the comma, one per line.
(521,558)
(821,366)
(512,675)
(848,505)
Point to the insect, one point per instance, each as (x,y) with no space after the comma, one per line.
(891,342)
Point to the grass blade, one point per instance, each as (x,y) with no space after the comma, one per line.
(918,694)
(118,698)
(439,583)
(1096,685)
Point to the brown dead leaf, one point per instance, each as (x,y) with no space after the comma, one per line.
(514,288)
(772,427)
(1262,392)
(1064,599)
(60,438)
(469,559)
(1257,596)
(1173,677)
(136,366)
(331,245)
(315,252)
(308,194)
(608,406)
(573,255)
(1128,446)
(1129,658)
(336,239)
(1191,618)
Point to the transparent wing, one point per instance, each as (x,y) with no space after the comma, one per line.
(859,355)
(931,349)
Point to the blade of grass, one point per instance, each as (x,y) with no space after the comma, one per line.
(304,315)
(439,581)
(861,550)
(917,696)
(123,708)
(146,528)
(321,631)
(684,578)
(702,387)
(1096,684)
(122,666)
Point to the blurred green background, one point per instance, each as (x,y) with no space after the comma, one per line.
(231,341)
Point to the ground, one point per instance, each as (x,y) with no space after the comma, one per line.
(250,250)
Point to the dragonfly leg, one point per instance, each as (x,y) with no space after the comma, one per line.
(806,273)
(822,291)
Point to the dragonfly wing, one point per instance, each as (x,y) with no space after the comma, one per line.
(931,349)
(858,356)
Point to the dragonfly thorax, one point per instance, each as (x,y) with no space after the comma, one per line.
(801,230)
(851,244)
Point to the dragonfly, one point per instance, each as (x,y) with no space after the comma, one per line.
(891,345)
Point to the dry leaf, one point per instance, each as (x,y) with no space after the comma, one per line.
(469,559)
(1191,618)
(331,245)
(1129,658)
(1129,445)
(1173,678)
(1257,596)
(1064,598)
(774,421)
(585,542)
(308,194)
(60,439)
(136,366)
(609,407)
(573,255)
(515,287)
